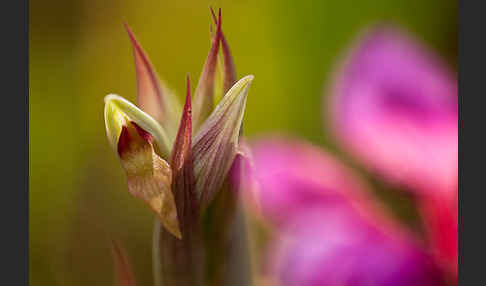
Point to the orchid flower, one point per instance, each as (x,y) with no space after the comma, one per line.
(177,160)
(394,107)
(329,231)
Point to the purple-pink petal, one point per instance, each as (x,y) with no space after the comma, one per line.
(337,247)
(394,106)
(293,176)
(329,231)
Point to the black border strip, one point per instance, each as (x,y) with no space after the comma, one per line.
(472,117)
(14,212)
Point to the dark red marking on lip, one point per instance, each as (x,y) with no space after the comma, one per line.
(124,141)
(144,134)
(131,134)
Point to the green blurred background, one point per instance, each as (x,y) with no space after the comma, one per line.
(79,52)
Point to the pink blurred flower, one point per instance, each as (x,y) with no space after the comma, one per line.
(293,176)
(330,231)
(337,247)
(394,107)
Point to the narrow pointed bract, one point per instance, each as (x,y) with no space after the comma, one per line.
(182,167)
(204,94)
(182,145)
(152,95)
(215,145)
(124,275)
(180,261)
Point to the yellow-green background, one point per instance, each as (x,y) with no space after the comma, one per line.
(79,52)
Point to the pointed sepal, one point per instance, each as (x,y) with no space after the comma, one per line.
(204,94)
(153,96)
(229,70)
(215,144)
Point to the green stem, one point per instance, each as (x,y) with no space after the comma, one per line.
(225,241)
(177,261)
(215,256)
(155,253)
(213,250)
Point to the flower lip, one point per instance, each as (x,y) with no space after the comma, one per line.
(132,133)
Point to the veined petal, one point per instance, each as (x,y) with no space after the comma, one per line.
(124,275)
(215,144)
(153,96)
(183,184)
(118,110)
(204,94)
